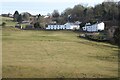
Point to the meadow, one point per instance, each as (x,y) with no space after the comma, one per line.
(55,54)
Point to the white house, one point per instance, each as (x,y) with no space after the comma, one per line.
(94,28)
(65,26)
(71,26)
(55,27)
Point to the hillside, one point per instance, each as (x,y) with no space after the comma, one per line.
(31,54)
(8,21)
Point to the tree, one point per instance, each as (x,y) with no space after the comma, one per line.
(55,14)
(98,10)
(16,15)
(117,36)
(106,11)
(48,14)
(65,14)
(37,25)
(67,11)
(3,24)
(117,31)
(77,13)
(26,16)
(19,18)
(85,12)
(39,15)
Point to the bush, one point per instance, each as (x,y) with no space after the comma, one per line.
(3,24)
(37,25)
(117,36)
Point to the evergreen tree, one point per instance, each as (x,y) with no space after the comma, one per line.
(16,15)
(19,18)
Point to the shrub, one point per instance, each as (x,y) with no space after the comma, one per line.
(117,36)
(3,24)
(37,25)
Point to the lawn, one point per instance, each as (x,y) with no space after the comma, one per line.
(55,54)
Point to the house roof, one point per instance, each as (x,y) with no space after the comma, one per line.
(87,24)
(69,23)
(78,22)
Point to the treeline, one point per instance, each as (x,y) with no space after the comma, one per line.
(107,11)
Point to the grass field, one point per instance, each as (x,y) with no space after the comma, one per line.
(55,54)
(8,21)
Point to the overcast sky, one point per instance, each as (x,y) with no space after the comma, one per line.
(43,6)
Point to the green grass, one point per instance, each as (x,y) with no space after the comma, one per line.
(55,54)
(8,21)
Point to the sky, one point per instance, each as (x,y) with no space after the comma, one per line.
(42,6)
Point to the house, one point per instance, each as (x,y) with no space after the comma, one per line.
(71,26)
(94,28)
(68,26)
(46,16)
(55,27)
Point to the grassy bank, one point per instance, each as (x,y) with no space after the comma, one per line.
(31,53)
